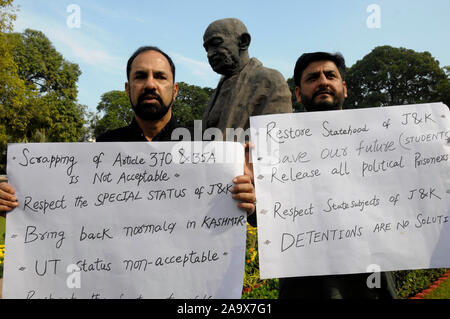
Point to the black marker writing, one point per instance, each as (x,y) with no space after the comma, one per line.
(51,161)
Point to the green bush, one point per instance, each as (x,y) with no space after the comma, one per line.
(411,282)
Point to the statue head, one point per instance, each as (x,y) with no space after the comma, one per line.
(226,41)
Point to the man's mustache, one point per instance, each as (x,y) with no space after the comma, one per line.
(323,91)
(150,94)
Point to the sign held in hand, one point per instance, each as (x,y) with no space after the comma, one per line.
(125,220)
(340,191)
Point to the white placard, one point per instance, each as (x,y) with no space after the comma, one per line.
(352,191)
(124,220)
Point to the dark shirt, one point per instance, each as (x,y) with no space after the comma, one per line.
(133,133)
(352,286)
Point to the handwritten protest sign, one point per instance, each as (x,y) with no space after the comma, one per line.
(124,220)
(352,191)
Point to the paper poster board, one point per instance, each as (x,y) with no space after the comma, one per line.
(124,220)
(352,191)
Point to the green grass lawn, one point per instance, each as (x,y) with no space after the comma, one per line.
(441,292)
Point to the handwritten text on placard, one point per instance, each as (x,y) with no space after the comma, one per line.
(340,191)
(125,220)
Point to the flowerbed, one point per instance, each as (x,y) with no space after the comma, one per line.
(254,287)
(2,258)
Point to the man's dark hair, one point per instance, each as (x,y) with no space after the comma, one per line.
(145,49)
(305,59)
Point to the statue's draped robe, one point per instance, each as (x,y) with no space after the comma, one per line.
(256,90)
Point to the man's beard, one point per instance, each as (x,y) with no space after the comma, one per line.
(322,105)
(151,112)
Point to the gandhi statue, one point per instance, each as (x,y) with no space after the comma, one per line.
(246,88)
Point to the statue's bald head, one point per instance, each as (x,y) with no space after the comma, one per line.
(230,27)
(227,42)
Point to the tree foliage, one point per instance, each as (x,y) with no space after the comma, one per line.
(395,76)
(12,88)
(116,111)
(38,92)
(444,87)
(190,103)
(51,102)
(7,15)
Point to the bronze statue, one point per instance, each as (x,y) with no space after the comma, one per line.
(246,88)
